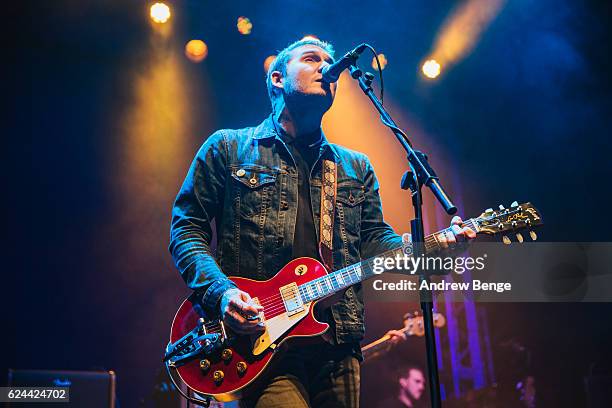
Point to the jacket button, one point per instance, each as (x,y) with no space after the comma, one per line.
(253,180)
(240,172)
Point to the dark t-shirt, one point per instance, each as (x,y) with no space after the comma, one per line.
(394,402)
(305,153)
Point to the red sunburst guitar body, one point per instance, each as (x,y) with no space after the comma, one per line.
(254,353)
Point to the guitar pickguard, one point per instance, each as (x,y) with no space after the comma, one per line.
(276,327)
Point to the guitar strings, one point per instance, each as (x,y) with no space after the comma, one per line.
(274,304)
(430,239)
(276,299)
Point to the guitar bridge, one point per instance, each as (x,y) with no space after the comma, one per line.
(291,298)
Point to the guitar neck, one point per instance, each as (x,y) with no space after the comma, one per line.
(342,278)
(378,345)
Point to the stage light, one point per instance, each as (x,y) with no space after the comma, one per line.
(244,25)
(268,62)
(160,13)
(383,62)
(196,50)
(431,68)
(462,29)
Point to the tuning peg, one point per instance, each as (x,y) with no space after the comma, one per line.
(519,237)
(501,207)
(514,204)
(533,235)
(506,240)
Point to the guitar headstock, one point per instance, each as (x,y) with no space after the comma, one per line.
(414,325)
(517,218)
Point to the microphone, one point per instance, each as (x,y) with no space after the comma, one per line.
(332,72)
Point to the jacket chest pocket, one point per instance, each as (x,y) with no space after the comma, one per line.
(254,188)
(349,200)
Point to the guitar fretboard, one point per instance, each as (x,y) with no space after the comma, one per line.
(352,274)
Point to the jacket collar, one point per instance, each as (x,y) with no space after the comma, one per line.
(267,130)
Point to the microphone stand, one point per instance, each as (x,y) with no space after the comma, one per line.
(420,174)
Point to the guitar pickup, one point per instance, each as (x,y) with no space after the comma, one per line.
(291,298)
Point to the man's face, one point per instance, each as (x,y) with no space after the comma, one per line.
(303,75)
(414,384)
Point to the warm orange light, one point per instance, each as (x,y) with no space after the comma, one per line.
(244,25)
(462,29)
(268,62)
(382,59)
(196,50)
(431,68)
(380,147)
(160,13)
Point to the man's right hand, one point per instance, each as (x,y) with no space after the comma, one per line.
(240,312)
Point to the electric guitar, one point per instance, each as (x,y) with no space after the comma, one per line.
(213,361)
(413,326)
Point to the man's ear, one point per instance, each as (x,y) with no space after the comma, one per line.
(277,79)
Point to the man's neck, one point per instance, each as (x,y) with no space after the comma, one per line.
(304,126)
(405,400)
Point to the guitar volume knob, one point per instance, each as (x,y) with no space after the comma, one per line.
(205,365)
(218,376)
(226,354)
(241,367)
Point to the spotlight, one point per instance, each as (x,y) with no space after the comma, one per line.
(244,25)
(160,13)
(383,62)
(196,50)
(309,37)
(431,68)
(268,62)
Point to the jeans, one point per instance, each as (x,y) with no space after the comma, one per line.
(314,376)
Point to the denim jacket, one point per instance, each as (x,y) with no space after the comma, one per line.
(244,183)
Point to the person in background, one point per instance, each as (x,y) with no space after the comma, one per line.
(410,391)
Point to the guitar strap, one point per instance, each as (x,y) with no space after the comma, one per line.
(328,206)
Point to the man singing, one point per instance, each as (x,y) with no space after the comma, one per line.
(261,186)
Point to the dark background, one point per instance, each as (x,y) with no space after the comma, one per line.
(87,280)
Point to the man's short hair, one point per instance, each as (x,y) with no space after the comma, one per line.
(283,56)
(404,372)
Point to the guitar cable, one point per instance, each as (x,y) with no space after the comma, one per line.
(200,403)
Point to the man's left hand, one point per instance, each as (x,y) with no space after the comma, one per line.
(455,234)
(396,336)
